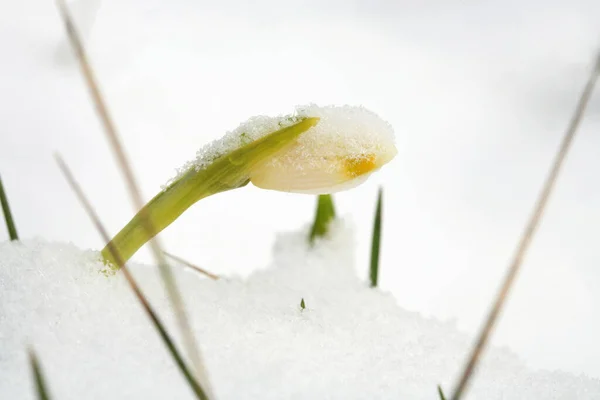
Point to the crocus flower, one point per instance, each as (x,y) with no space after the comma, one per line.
(318,150)
(339,153)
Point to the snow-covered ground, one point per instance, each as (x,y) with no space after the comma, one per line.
(478,94)
(350,342)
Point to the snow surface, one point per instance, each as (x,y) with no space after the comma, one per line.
(351,342)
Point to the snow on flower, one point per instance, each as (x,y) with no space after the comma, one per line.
(345,147)
(339,153)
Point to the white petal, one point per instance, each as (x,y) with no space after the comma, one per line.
(307,181)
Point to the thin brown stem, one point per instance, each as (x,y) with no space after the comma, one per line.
(192,266)
(113,137)
(200,394)
(528,234)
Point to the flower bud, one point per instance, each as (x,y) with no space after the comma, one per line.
(338,153)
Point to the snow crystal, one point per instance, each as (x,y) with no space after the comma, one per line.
(350,342)
(252,129)
(341,131)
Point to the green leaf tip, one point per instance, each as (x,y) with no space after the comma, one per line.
(376,241)
(10,222)
(302,304)
(441,393)
(229,171)
(40,384)
(324,215)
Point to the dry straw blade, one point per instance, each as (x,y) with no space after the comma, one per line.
(145,220)
(528,234)
(196,387)
(192,266)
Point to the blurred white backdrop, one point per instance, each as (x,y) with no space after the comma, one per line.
(479,94)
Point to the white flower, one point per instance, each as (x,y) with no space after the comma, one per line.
(320,150)
(339,153)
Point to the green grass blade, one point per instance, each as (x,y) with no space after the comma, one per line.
(38,376)
(441,393)
(10,222)
(376,241)
(528,233)
(324,215)
(169,343)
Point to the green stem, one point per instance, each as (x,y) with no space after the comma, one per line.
(376,242)
(228,172)
(441,393)
(325,213)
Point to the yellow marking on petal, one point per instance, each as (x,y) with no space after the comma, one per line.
(357,166)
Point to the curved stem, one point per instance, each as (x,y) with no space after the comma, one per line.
(230,171)
(162,210)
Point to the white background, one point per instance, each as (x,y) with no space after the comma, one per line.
(479,94)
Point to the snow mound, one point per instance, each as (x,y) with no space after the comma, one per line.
(351,341)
